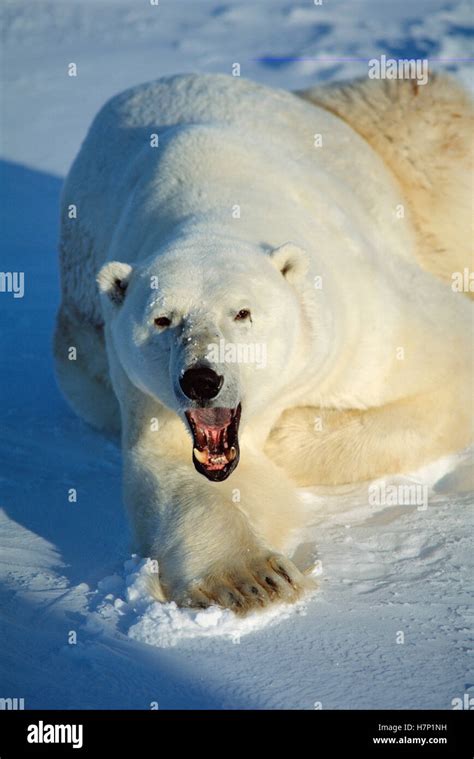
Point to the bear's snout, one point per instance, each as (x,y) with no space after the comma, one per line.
(201,383)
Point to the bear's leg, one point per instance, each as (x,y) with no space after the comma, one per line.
(215,542)
(339,447)
(82,371)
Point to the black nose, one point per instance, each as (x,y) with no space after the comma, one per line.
(201,383)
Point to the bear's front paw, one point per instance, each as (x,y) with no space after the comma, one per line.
(255,584)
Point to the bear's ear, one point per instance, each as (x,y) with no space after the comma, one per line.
(113,281)
(291,260)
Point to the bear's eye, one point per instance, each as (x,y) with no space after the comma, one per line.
(162,321)
(243,314)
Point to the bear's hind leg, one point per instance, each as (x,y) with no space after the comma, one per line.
(424,135)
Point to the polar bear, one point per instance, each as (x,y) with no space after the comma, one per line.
(274,308)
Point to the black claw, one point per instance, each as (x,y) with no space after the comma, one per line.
(271,582)
(235,600)
(284,574)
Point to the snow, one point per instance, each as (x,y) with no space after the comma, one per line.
(78,626)
(164,624)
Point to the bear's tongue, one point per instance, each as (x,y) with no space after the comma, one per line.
(215,437)
(211,445)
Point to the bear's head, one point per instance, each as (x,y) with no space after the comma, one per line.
(212,330)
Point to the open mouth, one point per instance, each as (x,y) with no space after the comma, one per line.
(215,440)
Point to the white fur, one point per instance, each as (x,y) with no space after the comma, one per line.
(330,274)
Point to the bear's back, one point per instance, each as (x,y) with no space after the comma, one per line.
(341,178)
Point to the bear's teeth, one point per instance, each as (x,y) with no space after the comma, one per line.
(205,458)
(201,456)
